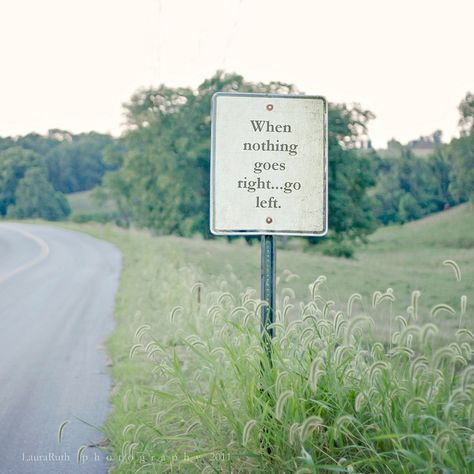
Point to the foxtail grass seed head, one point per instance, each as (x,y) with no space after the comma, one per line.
(351,301)
(376,369)
(314,287)
(306,336)
(426,331)
(175,312)
(191,427)
(403,322)
(314,373)
(293,433)
(134,349)
(61,430)
(309,425)
(375,298)
(415,296)
(354,322)
(326,308)
(247,431)
(280,405)
(286,309)
(377,350)
(342,354)
(279,380)
(441,307)
(140,331)
(339,324)
(466,377)
(412,404)
(467,351)
(341,425)
(444,438)
(79,455)
(387,296)
(442,353)
(406,336)
(401,351)
(460,333)
(455,267)
(359,401)
(239,309)
(226,298)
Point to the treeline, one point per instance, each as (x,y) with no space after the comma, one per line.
(409,187)
(157,173)
(36,171)
(162,176)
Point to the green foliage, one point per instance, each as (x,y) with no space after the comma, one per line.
(77,163)
(74,162)
(330,401)
(207,404)
(163,183)
(35,197)
(195,392)
(461,152)
(410,187)
(14,162)
(466,110)
(164,180)
(336,248)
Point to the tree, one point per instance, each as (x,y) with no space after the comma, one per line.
(76,162)
(35,197)
(410,187)
(163,181)
(466,110)
(14,162)
(461,153)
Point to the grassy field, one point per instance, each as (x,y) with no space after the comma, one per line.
(194,390)
(83,204)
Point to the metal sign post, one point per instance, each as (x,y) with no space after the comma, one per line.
(268,290)
(268,175)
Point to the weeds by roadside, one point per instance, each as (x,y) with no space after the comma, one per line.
(333,400)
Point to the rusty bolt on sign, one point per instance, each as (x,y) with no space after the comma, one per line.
(269,107)
(269,220)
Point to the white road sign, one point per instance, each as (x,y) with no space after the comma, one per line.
(268,164)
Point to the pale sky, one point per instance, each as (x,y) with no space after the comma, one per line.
(71,64)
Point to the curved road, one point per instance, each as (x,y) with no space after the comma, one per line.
(57,291)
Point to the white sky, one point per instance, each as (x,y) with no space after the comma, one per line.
(71,64)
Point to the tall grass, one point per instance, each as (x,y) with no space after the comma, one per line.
(332,399)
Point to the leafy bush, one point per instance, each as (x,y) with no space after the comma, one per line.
(336,248)
(35,197)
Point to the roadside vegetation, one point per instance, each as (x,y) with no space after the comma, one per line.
(368,375)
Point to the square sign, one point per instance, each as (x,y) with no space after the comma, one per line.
(268,164)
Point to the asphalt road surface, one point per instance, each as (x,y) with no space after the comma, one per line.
(57,291)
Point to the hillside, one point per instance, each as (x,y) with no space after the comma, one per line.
(404,258)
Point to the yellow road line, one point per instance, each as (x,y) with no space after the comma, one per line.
(44,252)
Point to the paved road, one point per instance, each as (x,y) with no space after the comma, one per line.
(57,293)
